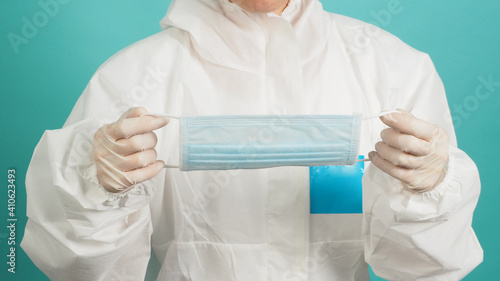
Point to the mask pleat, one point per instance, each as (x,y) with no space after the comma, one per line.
(253,142)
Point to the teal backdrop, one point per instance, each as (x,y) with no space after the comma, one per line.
(44,71)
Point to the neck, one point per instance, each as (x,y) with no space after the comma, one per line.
(281,9)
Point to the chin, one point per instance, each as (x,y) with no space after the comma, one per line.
(262,6)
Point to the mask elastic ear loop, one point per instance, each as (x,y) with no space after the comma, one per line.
(362,119)
(375,116)
(380,114)
(163,115)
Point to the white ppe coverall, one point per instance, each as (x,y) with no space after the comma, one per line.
(213,58)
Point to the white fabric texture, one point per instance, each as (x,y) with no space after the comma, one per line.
(212,58)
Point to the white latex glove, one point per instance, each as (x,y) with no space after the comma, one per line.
(412,151)
(124,151)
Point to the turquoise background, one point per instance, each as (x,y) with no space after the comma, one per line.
(41,83)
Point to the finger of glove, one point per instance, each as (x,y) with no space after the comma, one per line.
(400,173)
(110,178)
(406,143)
(126,128)
(134,144)
(145,173)
(136,160)
(398,157)
(406,123)
(413,179)
(133,112)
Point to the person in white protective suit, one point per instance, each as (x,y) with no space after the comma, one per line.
(99,199)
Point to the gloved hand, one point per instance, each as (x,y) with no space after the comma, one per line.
(412,150)
(124,150)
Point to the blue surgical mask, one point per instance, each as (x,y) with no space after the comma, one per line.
(256,142)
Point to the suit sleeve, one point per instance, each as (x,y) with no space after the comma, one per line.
(426,236)
(75,230)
